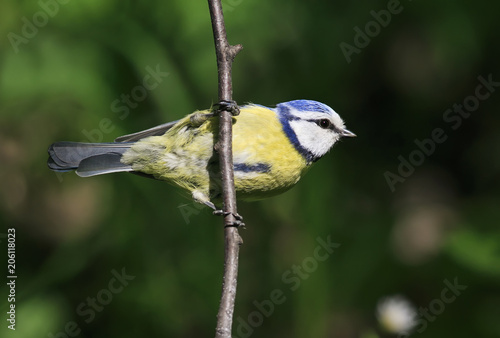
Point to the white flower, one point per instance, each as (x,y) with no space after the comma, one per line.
(396,315)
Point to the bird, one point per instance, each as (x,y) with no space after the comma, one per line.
(272,149)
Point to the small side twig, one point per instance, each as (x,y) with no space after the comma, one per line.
(225,55)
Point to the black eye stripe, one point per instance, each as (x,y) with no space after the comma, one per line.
(324,123)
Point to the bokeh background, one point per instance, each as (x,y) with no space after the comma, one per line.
(66,69)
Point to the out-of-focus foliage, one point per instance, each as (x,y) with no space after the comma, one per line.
(66,70)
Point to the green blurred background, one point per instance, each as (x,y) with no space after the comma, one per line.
(61,78)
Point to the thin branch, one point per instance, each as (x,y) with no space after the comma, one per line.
(225,55)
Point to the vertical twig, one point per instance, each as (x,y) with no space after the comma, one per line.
(225,55)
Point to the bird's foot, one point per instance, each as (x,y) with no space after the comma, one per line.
(238,223)
(230,106)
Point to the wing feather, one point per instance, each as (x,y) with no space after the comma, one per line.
(155,131)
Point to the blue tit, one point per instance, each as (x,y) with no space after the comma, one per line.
(272,149)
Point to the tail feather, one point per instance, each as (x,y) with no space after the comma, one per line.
(102,164)
(88,159)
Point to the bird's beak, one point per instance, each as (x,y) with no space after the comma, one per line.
(347,133)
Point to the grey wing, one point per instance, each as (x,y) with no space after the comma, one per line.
(155,131)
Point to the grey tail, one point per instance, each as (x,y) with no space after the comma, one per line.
(88,159)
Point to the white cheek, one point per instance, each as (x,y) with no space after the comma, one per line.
(313,138)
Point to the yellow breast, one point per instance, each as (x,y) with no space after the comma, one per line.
(265,161)
(269,164)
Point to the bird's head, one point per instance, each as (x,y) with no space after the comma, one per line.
(312,127)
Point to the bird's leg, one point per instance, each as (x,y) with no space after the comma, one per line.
(200,197)
(198,119)
(211,205)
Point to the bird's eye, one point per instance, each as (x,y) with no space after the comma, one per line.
(324,123)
